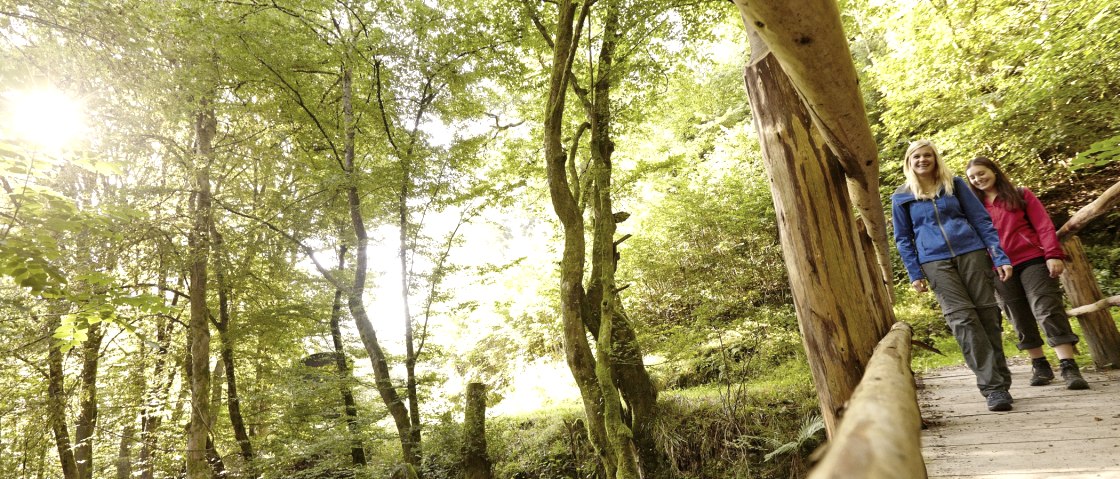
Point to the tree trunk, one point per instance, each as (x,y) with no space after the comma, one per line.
(602,146)
(841,306)
(576,348)
(410,351)
(199,329)
(236,420)
(807,38)
(87,417)
(357,452)
(355,296)
(124,453)
(56,407)
(155,401)
(476,463)
(1081,287)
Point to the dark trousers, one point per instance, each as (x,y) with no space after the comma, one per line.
(964,289)
(1032,298)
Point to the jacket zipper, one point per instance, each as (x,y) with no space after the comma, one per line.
(937,217)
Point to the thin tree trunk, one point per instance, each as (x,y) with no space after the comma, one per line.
(236,420)
(87,417)
(410,351)
(476,462)
(199,330)
(155,401)
(355,297)
(840,304)
(56,407)
(124,452)
(1081,287)
(357,452)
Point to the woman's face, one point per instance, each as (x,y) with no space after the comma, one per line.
(982,177)
(923,162)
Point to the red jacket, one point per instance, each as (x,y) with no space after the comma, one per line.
(1025,234)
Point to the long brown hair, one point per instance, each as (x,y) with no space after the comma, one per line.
(1005,190)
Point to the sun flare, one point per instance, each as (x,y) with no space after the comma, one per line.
(48,119)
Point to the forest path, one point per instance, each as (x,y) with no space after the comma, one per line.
(1051,432)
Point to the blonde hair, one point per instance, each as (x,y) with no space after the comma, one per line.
(942,174)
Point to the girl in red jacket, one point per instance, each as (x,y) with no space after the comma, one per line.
(1032,296)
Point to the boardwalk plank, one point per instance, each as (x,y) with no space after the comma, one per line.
(1051,433)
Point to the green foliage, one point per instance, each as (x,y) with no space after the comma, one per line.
(742,352)
(1098,154)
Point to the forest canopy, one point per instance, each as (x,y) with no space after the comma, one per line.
(280,238)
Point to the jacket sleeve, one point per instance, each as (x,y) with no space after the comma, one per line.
(904,239)
(981,221)
(1040,221)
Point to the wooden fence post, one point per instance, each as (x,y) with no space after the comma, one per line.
(1081,287)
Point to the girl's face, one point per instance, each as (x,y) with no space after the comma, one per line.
(981,177)
(923,162)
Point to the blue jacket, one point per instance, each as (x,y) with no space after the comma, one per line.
(942,228)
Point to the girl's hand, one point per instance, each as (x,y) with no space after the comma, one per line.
(920,286)
(1056,266)
(1004,272)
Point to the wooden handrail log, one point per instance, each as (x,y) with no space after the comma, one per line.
(1094,307)
(1089,212)
(880,433)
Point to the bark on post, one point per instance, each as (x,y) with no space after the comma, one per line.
(880,435)
(840,303)
(1081,287)
(476,463)
(807,38)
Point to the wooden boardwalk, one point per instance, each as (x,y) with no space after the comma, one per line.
(1050,433)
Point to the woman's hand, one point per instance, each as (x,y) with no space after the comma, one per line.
(1056,266)
(1004,272)
(920,286)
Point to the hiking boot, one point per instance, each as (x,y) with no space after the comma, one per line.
(1072,374)
(999,401)
(1041,372)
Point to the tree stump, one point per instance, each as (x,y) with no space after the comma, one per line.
(476,463)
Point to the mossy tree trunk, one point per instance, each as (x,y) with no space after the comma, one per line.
(476,462)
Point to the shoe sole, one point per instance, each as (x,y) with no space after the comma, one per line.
(1000,407)
(1078,385)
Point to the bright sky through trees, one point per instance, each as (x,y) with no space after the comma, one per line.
(48,119)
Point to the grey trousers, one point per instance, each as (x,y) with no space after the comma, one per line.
(1032,298)
(964,289)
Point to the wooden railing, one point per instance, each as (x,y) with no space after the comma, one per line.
(879,435)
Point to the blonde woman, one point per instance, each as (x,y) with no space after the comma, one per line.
(946,240)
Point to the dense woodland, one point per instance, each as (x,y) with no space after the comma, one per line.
(288,234)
